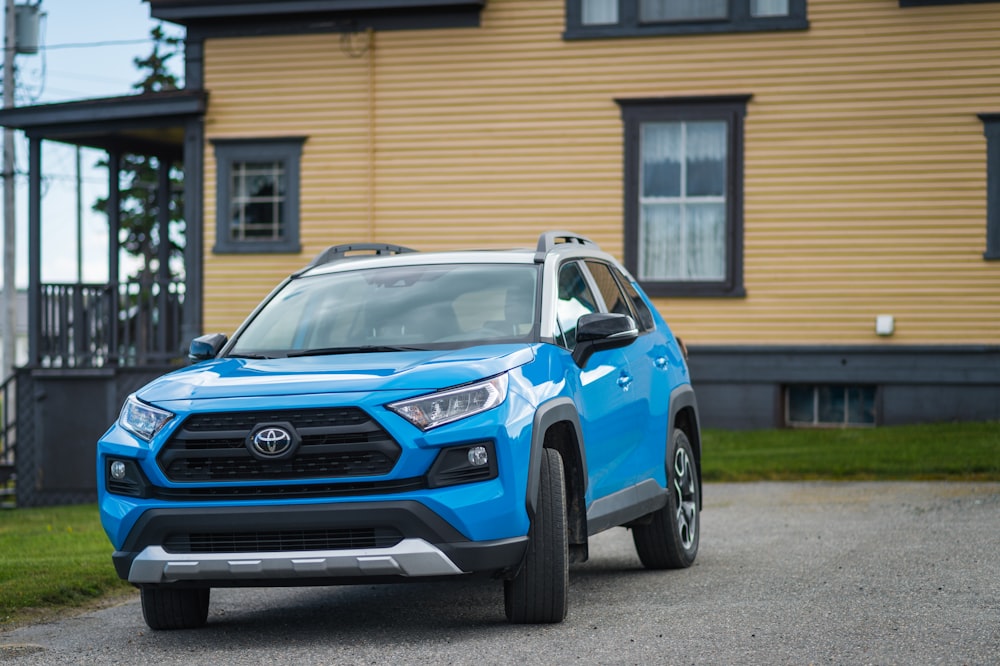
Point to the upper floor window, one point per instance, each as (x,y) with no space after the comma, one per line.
(257,192)
(684,194)
(991,127)
(624,18)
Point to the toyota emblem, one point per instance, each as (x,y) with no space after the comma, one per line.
(272,441)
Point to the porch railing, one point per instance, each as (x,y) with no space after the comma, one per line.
(98,325)
(8,441)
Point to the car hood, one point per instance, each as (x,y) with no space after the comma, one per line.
(385,371)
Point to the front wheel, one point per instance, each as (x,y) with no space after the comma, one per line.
(670,539)
(538,593)
(175,608)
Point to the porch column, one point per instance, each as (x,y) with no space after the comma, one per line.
(114,224)
(34,251)
(163,272)
(194,147)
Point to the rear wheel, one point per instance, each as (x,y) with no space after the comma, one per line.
(670,539)
(175,608)
(538,593)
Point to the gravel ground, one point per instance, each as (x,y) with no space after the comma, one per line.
(788,573)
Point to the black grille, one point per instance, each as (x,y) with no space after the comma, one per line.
(336,443)
(282,540)
(298,491)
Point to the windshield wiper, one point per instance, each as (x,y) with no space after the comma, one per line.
(366,349)
(256,357)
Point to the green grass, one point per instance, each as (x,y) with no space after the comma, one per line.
(952,452)
(57,558)
(53,557)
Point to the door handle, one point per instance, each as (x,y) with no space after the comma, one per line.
(625,381)
(660,362)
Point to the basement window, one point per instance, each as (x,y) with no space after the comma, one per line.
(822,405)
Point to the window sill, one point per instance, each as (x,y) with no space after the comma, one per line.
(692,290)
(677,29)
(257,248)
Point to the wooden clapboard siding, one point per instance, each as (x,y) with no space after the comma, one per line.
(864,158)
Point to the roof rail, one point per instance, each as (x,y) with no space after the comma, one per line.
(355,250)
(550,239)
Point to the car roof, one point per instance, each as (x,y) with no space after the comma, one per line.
(557,245)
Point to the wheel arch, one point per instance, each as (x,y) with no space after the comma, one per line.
(684,415)
(557,426)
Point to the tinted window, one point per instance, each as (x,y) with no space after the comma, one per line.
(575,300)
(614,299)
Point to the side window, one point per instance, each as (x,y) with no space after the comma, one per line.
(642,313)
(614,299)
(257,192)
(575,300)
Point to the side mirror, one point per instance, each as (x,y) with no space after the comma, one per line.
(599,331)
(206,347)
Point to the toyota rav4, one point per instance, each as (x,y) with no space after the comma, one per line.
(389,415)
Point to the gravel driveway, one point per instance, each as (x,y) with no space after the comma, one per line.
(788,573)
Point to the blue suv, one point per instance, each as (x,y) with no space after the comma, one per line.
(389,415)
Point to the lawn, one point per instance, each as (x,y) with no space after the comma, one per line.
(53,557)
(57,558)
(952,452)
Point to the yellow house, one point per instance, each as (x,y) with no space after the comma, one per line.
(809,189)
(801,184)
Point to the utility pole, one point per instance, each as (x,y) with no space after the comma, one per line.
(9,217)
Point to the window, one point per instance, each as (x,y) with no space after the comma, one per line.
(589,19)
(610,282)
(575,300)
(257,190)
(684,194)
(819,405)
(991,127)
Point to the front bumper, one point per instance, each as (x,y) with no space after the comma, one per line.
(427,546)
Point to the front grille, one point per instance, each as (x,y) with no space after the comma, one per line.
(336,443)
(297,491)
(282,540)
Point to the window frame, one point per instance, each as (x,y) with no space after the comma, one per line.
(729,108)
(991,129)
(932,3)
(629,24)
(287,150)
(816,389)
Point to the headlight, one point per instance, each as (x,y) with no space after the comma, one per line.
(431,411)
(142,420)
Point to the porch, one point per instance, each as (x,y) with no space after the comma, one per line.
(90,345)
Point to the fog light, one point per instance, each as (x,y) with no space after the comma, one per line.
(478,456)
(117,470)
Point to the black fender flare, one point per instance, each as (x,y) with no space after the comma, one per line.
(549,413)
(682,398)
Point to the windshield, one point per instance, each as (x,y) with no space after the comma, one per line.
(401,307)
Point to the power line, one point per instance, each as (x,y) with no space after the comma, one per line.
(87,45)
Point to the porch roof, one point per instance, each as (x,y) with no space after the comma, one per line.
(148,124)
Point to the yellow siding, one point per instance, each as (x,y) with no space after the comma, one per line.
(864,166)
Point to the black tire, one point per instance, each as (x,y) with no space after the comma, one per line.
(670,539)
(538,593)
(175,608)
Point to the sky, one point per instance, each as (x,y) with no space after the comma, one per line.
(86,50)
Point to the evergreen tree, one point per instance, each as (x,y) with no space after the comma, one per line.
(139,232)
